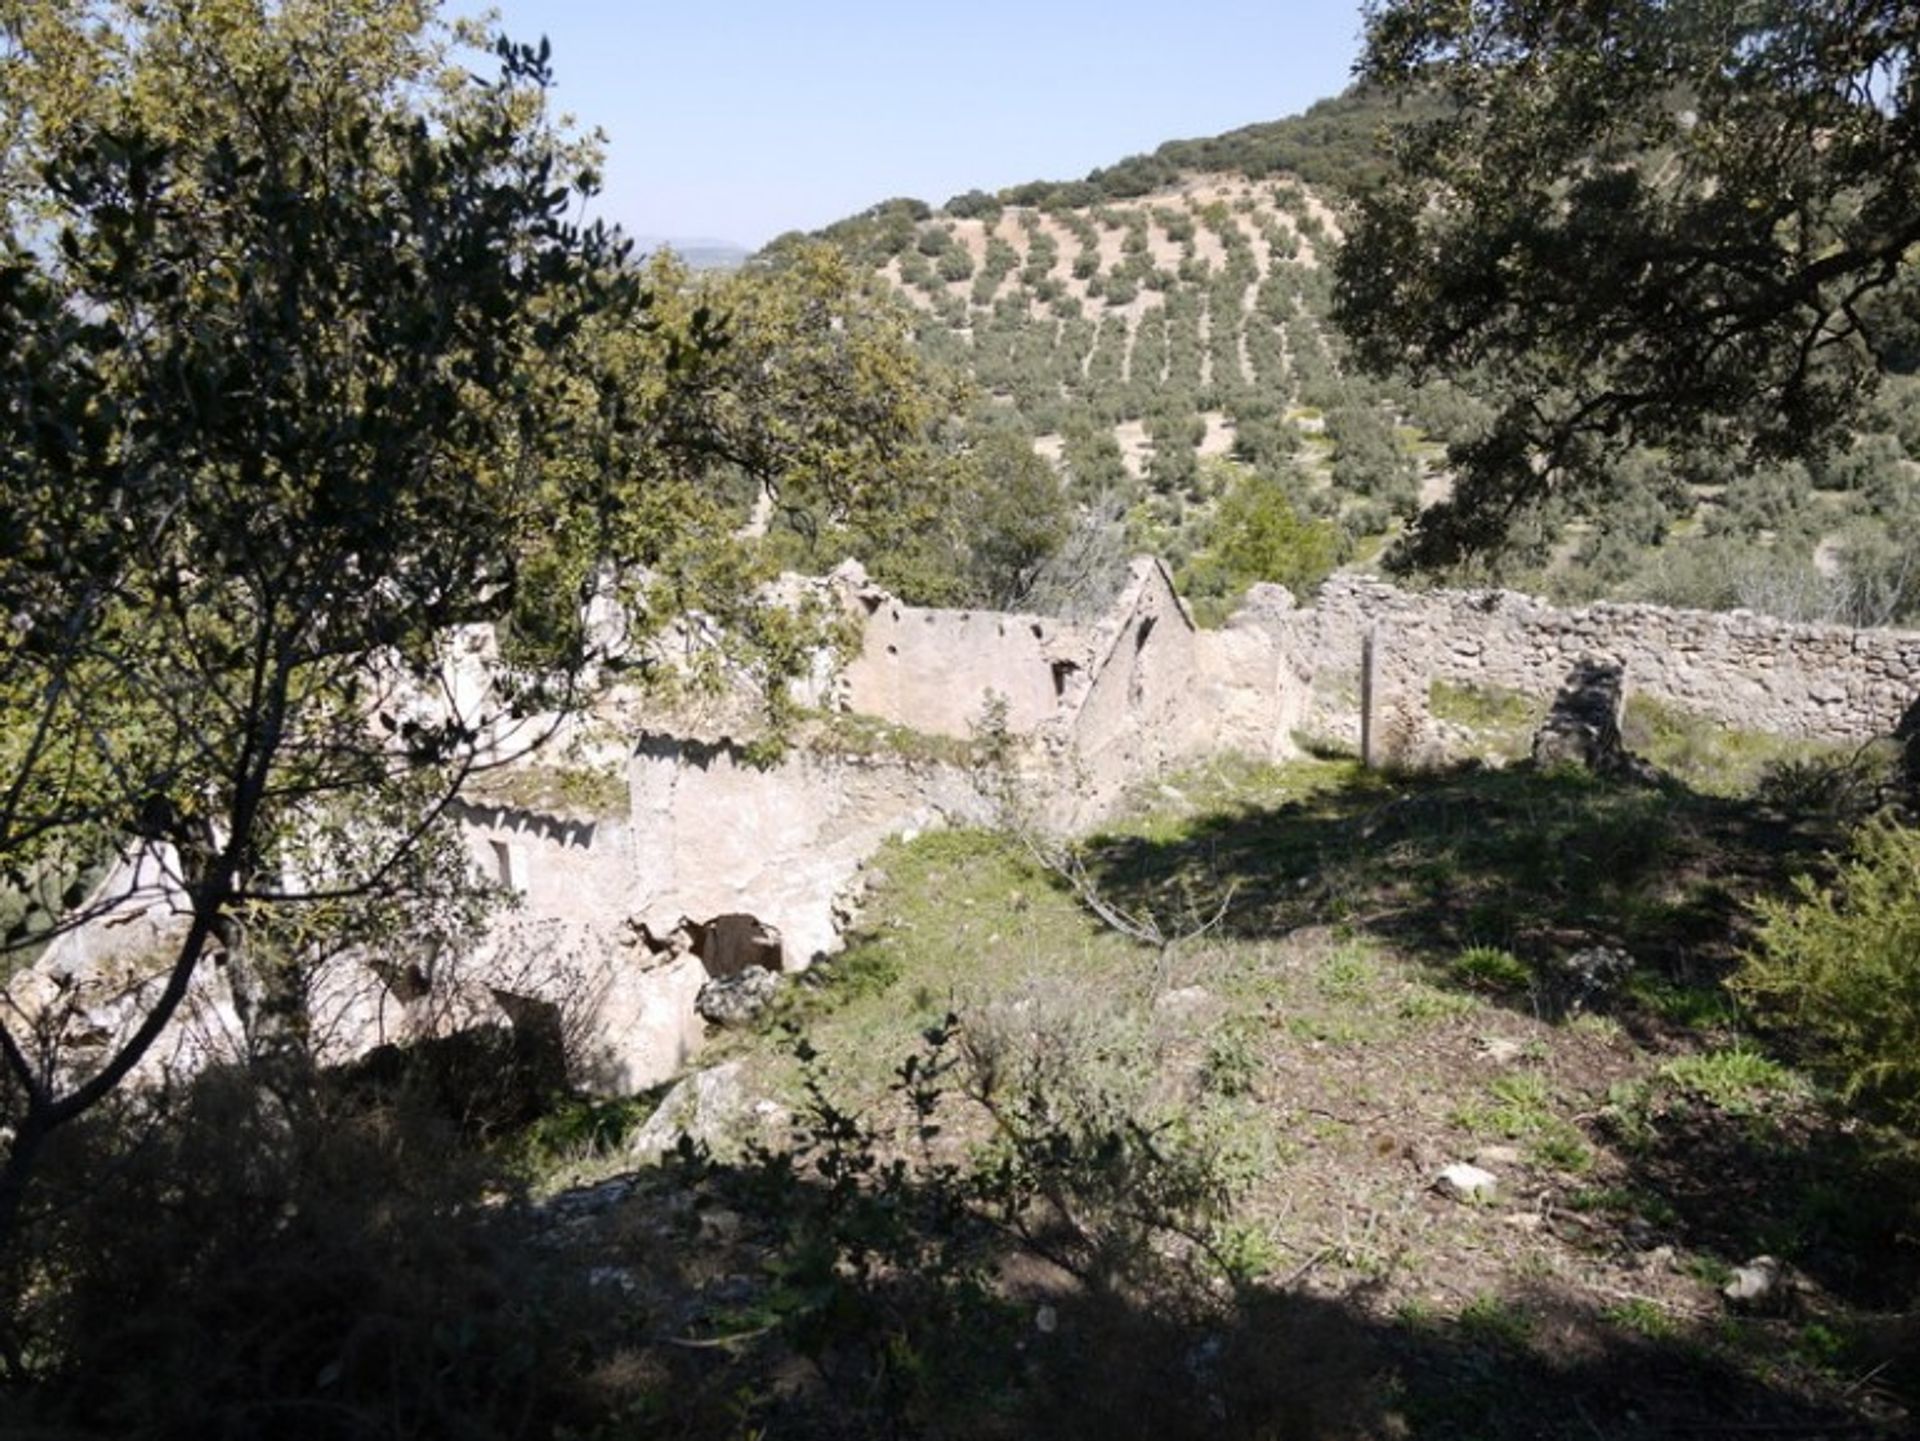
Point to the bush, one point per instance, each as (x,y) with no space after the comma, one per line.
(250,1262)
(1840,965)
(1489,968)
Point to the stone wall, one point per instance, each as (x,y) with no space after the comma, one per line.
(717,835)
(933,670)
(1813,681)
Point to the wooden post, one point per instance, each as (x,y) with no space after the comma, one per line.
(1369,695)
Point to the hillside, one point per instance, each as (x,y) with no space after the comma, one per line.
(1162,351)
(1159,331)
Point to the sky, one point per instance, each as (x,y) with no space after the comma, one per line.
(741,121)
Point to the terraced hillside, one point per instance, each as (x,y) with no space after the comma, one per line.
(1160,334)
(1169,353)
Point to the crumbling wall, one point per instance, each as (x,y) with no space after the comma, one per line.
(1253,688)
(934,670)
(557,865)
(1132,718)
(1815,681)
(717,834)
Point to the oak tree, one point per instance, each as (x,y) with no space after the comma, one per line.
(1662,222)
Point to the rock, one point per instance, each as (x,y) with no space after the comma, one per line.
(645,1028)
(584,1202)
(735,1000)
(1760,1285)
(1584,979)
(1466,1183)
(1046,1320)
(1182,1000)
(1501,1051)
(614,1278)
(706,1107)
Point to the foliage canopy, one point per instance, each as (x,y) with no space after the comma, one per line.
(309,367)
(1643,222)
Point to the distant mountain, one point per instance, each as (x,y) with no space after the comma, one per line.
(700,252)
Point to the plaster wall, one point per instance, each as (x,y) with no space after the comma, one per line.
(715,834)
(933,670)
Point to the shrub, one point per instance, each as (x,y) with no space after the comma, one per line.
(1732,1079)
(249,1262)
(1492,969)
(1840,964)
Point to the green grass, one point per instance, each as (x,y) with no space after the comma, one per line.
(1514,1106)
(965,917)
(1502,721)
(1488,968)
(841,733)
(1642,1318)
(554,789)
(1496,1322)
(1705,753)
(1735,1080)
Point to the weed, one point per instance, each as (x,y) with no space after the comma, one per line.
(585,1126)
(1502,721)
(1426,1004)
(1629,1115)
(1603,1200)
(1417,1313)
(869,968)
(1518,1108)
(1328,1030)
(1734,1080)
(1622,1201)
(1820,1345)
(1643,1318)
(1698,1008)
(1562,1149)
(1710,1270)
(1489,968)
(1244,1252)
(1232,1066)
(1492,1321)
(1598,1027)
(1707,755)
(1348,974)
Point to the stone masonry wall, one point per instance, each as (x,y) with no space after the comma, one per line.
(933,670)
(715,834)
(1813,681)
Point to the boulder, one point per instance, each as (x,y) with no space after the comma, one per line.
(1585,979)
(1466,1183)
(737,999)
(708,1107)
(642,1026)
(1760,1285)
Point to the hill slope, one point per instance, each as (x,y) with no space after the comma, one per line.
(1159,332)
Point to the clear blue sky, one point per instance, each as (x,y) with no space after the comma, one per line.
(743,120)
